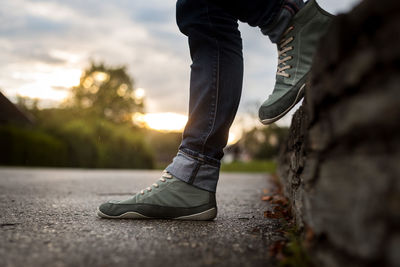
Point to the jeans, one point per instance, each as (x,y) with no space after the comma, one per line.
(216,76)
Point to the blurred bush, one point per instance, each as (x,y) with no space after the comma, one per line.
(24,146)
(103,144)
(251,166)
(121,146)
(76,143)
(264,143)
(165,146)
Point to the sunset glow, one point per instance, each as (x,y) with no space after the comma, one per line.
(48,83)
(139,93)
(171,122)
(233,138)
(167,121)
(41,91)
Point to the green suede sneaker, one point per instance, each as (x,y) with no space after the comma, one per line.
(295,52)
(168,198)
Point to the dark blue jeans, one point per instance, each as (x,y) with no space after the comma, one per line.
(216,77)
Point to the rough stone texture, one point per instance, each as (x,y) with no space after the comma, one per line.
(341,165)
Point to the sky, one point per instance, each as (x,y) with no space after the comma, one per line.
(45,45)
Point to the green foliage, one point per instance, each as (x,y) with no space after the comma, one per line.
(27,105)
(103,144)
(78,136)
(164,145)
(121,147)
(265,142)
(295,255)
(251,166)
(76,143)
(106,92)
(29,147)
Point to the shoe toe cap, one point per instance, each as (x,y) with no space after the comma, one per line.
(109,208)
(275,108)
(105,208)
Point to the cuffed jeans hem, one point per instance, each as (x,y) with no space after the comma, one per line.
(275,29)
(274,33)
(194,171)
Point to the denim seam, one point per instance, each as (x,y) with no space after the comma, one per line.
(191,156)
(204,161)
(194,173)
(216,86)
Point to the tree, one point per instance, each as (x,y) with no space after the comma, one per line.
(106,92)
(264,142)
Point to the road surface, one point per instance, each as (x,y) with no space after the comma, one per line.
(48,218)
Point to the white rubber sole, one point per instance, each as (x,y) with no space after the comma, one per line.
(298,97)
(201,216)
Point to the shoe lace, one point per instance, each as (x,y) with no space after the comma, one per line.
(282,56)
(163,179)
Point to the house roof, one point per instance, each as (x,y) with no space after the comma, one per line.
(11,113)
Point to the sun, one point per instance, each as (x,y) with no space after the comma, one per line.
(170,122)
(165,121)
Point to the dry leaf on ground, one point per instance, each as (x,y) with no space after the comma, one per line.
(273,215)
(266,198)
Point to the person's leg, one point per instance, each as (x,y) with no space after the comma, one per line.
(215,89)
(187,189)
(271,16)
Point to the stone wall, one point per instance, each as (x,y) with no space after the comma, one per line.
(341,165)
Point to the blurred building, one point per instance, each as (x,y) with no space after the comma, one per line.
(10,113)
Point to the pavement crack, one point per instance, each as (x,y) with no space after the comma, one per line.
(8,224)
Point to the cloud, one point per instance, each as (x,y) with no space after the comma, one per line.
(48,36)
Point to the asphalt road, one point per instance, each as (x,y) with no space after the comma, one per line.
(48,218)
